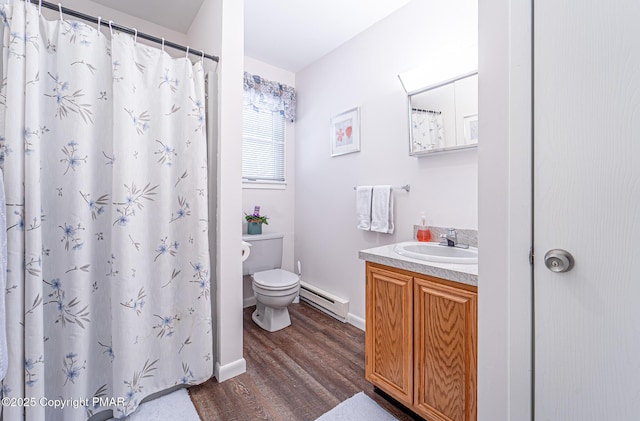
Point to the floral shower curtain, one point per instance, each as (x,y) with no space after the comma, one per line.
(103,150)
(428,129)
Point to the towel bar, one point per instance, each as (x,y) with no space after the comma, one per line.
(406,187)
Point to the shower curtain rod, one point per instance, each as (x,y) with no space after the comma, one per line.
(427,111)
(120,28)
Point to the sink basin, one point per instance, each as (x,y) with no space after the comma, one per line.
(434,252)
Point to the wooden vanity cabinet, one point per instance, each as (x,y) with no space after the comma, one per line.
(445,349)
(421,342)
(389,333)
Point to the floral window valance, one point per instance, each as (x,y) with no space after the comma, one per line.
(268,95)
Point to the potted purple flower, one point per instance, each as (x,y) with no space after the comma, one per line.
(255,221)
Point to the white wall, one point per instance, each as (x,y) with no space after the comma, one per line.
(363,73)
(219,28)
(504,169)
(276,203)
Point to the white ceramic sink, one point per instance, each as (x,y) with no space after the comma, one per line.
(434,252)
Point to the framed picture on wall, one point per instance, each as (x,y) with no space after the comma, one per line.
(344,132)
(471,129)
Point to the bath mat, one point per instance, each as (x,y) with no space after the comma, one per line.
(174,406)
(357,408)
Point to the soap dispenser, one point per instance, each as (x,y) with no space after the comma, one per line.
(423,234)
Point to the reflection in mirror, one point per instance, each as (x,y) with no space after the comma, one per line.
(444,116)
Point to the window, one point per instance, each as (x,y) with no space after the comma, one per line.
(267,104)
(262,145)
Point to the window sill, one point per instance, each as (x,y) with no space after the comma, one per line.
(263,185)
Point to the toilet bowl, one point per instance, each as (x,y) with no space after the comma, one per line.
(274,290)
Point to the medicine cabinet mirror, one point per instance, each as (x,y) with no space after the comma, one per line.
(444,116)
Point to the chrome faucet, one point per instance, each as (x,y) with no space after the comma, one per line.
(450,239)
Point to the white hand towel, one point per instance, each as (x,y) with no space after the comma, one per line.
(382,210)
(363,207)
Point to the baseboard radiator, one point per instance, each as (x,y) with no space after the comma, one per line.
(324,301)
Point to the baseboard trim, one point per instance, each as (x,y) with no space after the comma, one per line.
(356,321)
(228,371)
(248,302)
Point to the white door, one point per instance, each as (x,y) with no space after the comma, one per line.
(587,202)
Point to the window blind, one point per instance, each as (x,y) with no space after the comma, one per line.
(262,145)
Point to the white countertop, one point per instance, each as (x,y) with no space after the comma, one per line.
(384,255)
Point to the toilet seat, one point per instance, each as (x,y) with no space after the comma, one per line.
(275,279)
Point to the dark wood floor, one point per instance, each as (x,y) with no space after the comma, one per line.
(298,373)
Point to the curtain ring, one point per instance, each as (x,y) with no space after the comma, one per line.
(111,27)
(60,10)
(135,37)
(163,44)
(187,55)
(40,7)
(99,21)
(202,58)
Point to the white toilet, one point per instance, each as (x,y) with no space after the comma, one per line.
(273,287)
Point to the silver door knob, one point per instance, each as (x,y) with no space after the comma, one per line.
(558,260)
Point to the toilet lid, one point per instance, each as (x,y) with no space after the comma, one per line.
(275,278)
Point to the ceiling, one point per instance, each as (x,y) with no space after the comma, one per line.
(172,14)
(290,34)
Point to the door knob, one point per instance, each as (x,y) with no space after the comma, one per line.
(558,260)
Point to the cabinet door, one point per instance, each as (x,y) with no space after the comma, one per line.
(445,351)
(389,333)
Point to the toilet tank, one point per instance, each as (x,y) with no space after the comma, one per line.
(266,253)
